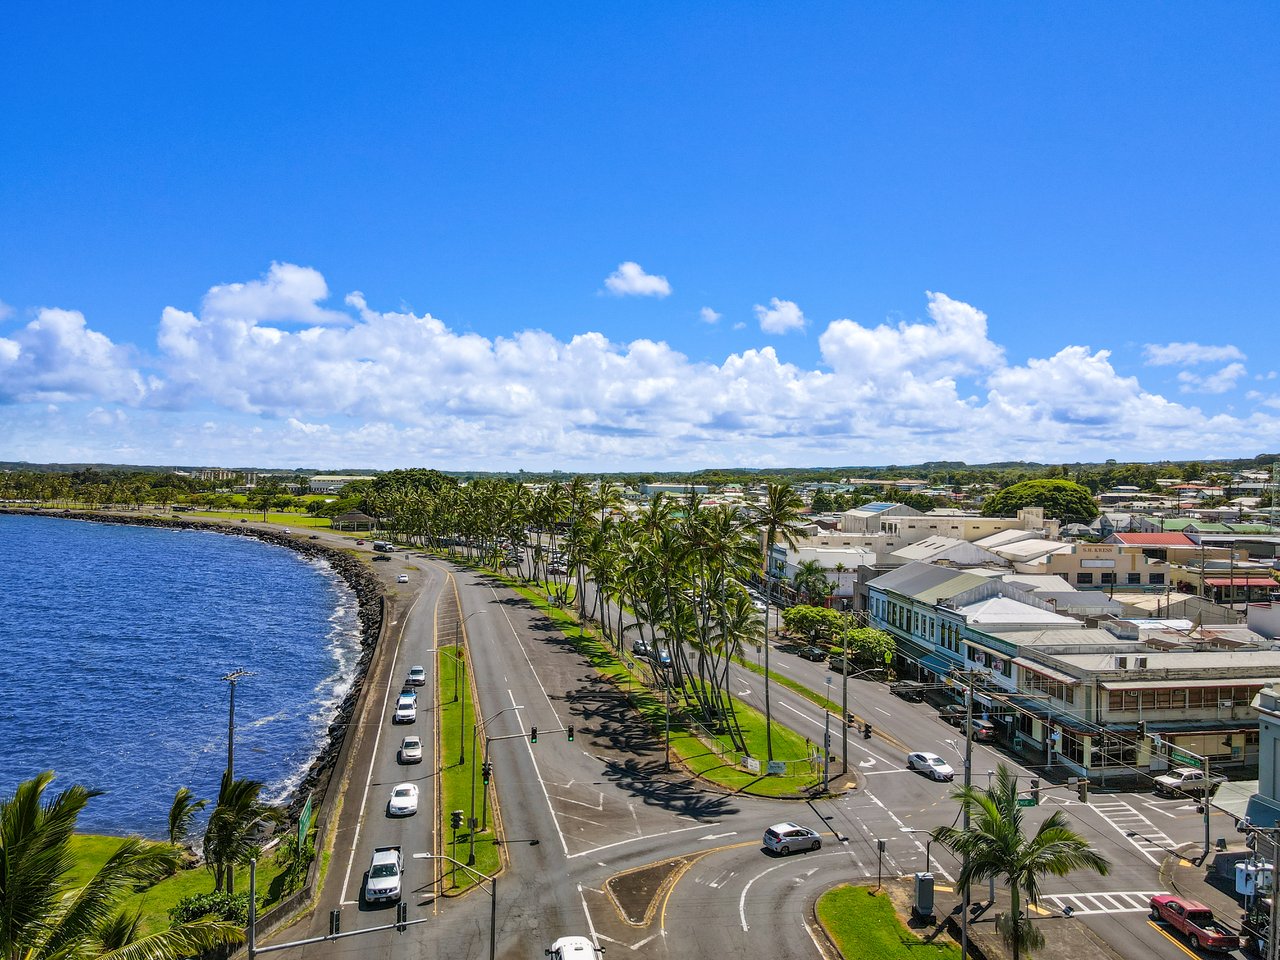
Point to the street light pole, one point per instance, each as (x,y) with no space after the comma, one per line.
(457,671)
(231,679)
(493,894)
(475,731)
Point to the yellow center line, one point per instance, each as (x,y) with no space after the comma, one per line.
(1177,943)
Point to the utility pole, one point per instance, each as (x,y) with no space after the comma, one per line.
(968,781)
(231,679)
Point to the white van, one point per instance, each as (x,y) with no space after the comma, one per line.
(573,948)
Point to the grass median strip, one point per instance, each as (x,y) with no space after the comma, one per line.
(863,923)
(461,779)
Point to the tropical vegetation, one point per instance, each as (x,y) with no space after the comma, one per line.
(1061,499)
(995,846)
(47,913)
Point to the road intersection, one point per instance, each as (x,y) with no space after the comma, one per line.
(578,816)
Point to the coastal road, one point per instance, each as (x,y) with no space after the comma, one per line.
(578,817)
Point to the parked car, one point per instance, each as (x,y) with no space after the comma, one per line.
(816,654)
(953,713)
(984,731)
(1188,781)
(785,837)
(840,665)
(404,800)
(908,690)
(411,750)
(417,675)
(930,763)
(383,882)
(1196,921)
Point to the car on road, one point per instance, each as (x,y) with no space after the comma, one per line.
(816,654)
(383,882)
(359,543)
(1196,921)
(417,675)
(664,656)
(1187,781)
(382,559)
(641,648)
(406,710)
(930,763)
(315,536)
(984,731)
(785,837)
(404,800)
(908,690)
(411,750)
(572,948)
(403,578)
(953,713)
(408,691)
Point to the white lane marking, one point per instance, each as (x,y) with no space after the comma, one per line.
(650,836)
(885,712)
(555,820)
(742,900)
(1106,901)
(377,741)
(595,938)
(907,830)
(594,823)
(719,836)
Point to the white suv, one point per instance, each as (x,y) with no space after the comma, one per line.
(406,710)
(785,837)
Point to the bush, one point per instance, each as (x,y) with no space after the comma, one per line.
(221,906)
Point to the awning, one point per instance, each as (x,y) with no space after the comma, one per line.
(1176,684)
(1242,582)
(939,665)
(1044,671)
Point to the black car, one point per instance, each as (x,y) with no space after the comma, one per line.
(908,690)
(816,654)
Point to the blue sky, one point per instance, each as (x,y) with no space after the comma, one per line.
(304,235)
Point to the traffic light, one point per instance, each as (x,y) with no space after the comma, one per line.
(402,915)
(1035,790)
(486,771)
(335,922)
(866,731)
(455,819)
(569,731)
(1142,728)
(533,734)
(1082,789)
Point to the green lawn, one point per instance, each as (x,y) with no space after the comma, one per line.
(863,923)
(92,850)
(456,721)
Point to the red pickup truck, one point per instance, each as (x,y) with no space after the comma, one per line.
(1195,920)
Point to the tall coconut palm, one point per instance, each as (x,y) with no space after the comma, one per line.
(811,581)
(994,846)
(776,520)
(45,915)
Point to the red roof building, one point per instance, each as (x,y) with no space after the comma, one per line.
(1151,539)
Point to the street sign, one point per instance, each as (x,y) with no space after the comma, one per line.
(1027,801)
(1186,760)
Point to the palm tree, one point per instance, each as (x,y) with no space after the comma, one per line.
(183,813)
(811,580)
(231,837)
(45,915)
(776,520)
(993,846)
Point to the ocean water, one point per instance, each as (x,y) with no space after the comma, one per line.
(115,641)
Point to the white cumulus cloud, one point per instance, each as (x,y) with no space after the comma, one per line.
(781,316)
(1218,382)
(287,293)
(1188,354)
(707,315)
(57,358)
(630,280)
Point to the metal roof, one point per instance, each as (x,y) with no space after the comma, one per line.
(927,582)
(1177,684)
(1049,672)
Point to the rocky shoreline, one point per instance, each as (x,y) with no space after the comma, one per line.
(356,574)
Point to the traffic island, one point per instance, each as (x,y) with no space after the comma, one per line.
(858,918)
(636,893)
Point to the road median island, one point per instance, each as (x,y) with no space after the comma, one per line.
(461,777)
(636,893)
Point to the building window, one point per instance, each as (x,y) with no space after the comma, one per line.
(1133,578)
(1156,579)
(1108,578)
(1083,578)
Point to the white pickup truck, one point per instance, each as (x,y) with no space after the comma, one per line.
(1188,781)
(384,875)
